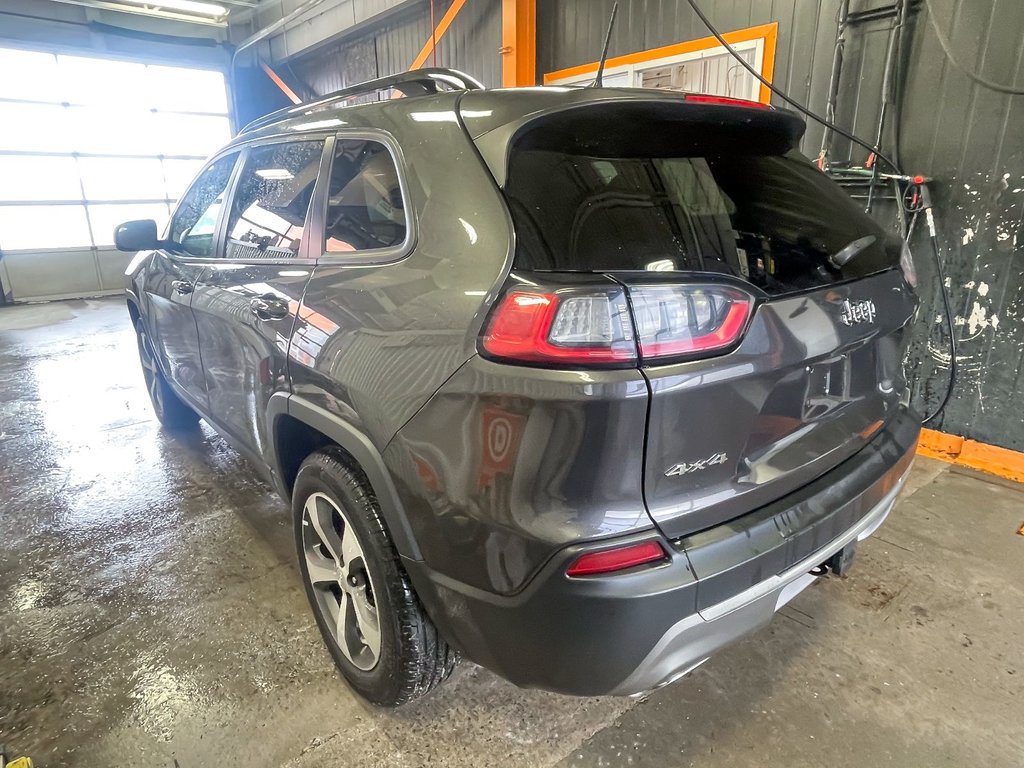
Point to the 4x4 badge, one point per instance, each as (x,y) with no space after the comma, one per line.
(696,466)
(854,312)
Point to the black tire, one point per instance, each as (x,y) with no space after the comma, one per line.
(413,658)
(170,410)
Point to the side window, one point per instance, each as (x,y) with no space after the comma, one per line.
(365,209)
(194,225)
(268,211)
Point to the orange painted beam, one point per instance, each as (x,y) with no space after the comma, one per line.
(280,83)
(769,32)
(518,43)
(442,27)
(771,40)
(970,453)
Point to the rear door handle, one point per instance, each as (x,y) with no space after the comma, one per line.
(183,287)
(269,307)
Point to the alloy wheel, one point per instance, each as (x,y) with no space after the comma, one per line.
(341,581)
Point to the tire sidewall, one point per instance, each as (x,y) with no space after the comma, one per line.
(381,684)
(146,348)
(172,412)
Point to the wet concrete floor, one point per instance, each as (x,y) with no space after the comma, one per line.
(151,615)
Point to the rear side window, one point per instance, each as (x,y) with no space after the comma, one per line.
(365,208)
(194,225)
(772,219)
(268,211)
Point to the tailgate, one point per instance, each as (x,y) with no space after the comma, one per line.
(807,388)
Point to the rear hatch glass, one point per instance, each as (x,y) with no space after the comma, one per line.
(683,193)
(738,202)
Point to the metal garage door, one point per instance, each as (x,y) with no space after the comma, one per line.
(86,143)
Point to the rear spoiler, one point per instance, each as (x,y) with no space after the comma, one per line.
(620,122)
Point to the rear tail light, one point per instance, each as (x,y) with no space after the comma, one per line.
(594,326)
(678,320)
(618,559)
(569,326)
(708,98)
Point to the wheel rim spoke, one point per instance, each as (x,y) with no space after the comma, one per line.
(320,517)
(368,623)
(321,569)
(345,629)
(156,394)
(350,549)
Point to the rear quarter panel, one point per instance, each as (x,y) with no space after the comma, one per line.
(507,464)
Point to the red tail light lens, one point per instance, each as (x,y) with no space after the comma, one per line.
(619,559)
(571,326)
(679,320)
(707,98)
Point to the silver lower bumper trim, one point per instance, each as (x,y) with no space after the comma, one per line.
(692,640)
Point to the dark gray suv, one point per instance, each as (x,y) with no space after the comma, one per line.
(581,384)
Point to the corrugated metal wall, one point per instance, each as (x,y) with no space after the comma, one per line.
(968,138)
(470,44)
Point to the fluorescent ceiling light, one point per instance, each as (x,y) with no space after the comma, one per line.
(274,174)
(189,6)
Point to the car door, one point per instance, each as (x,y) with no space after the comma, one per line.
(246,300)
(173,272)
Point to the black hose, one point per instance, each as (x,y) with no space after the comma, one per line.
(785,97)
(941,273)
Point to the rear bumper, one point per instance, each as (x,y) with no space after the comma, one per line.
(630,632)
(692,640)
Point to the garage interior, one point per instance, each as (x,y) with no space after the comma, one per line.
(151,611)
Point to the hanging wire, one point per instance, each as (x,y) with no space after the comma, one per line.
(784,96)
(947,49)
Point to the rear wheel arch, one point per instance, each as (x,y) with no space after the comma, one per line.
(300,428)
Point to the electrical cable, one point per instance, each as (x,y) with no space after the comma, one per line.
(941,274)
(927,207)
(784,96)
(947,49)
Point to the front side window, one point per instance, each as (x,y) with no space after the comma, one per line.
(268,212)
(194,226)
(365,208)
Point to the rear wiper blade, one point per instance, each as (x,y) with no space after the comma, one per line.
(851,249)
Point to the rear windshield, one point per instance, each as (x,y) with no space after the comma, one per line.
(772,219)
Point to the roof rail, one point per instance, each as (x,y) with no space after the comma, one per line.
(417,82)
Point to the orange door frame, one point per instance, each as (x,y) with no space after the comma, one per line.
(518,43)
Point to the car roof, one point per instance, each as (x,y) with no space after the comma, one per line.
(481,110)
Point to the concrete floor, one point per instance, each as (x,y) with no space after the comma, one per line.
(151,615)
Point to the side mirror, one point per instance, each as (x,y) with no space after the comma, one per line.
(136,236)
